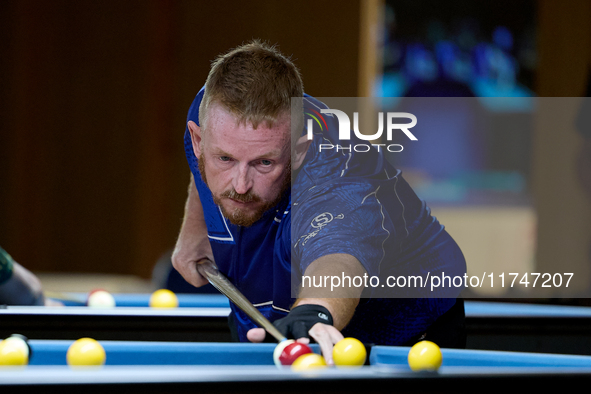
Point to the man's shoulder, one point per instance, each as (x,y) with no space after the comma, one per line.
(313,102)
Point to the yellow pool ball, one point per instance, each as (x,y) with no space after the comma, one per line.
(86,352)
(349,352)
(308,361)
(12,352)
(163,298)
(425,356)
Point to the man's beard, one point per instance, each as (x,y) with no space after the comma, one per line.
(238,216)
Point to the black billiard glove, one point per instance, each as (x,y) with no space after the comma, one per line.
(300,320)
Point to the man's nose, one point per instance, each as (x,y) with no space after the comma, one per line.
(242,179)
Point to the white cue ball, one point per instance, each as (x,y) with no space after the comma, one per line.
(101,299)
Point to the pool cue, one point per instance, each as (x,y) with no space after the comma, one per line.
(209,270)
(58,295)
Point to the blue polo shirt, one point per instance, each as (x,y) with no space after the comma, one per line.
(340,202)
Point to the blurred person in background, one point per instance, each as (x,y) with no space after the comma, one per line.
(19,286)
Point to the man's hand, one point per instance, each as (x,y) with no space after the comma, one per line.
(303,322)
(325,335)
(184,261)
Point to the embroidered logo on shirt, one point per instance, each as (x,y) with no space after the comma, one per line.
(318,223)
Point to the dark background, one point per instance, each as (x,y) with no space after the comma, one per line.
(93,98)
(94,94)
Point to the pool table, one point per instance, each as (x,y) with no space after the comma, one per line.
(199,318)
(203,318)
(528,327)
(145,367)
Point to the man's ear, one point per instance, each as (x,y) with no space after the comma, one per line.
(299,152)
(195,137)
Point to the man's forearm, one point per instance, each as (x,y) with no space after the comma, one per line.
(341,302)
(193,233)
(341,309)
(192,243)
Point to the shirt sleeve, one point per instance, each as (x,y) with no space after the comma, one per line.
(344,218)
(6,266)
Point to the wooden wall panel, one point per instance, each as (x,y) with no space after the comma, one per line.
(93,99)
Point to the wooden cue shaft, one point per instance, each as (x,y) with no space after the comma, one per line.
(208,270)
(58,295)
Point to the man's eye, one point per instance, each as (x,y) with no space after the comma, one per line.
(224,158)
(266,162)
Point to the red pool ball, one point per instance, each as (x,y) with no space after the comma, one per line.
(292,352)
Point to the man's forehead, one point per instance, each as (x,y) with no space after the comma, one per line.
(219,115)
